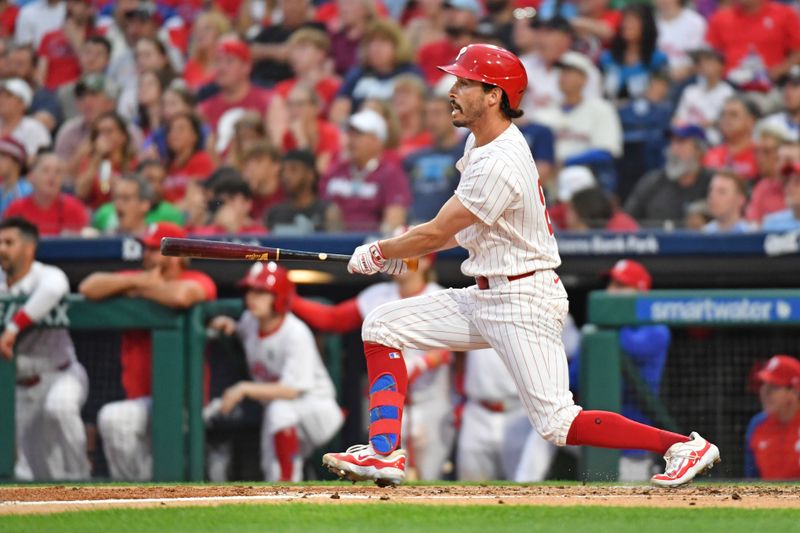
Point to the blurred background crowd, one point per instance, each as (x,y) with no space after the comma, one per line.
(300,116)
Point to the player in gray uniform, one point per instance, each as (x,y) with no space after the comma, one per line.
(51,384)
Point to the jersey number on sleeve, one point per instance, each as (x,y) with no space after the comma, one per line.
(546,212)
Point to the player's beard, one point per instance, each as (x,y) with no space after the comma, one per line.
(470,115)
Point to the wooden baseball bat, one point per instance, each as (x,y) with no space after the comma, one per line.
(204,249)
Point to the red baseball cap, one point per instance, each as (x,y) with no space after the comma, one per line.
(631,274)
(234,46)
(157,231)
(781,370)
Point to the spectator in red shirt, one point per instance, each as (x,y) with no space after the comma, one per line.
(187,159)
(111,154)
(595,24)
(58,50)
(737,151)
(8,18)
(592,209)
(308,51)
(261,166)
(206,33)
(371,190)
(165,281)
(408,102)
(772,442)
(768,194)
(347,29)
(231,204)
(308,130)
(233,65)
(52,211)
(461,19)
(765,30)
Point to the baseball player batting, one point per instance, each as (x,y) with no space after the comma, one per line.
(517,305)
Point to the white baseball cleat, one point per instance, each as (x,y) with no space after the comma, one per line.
(361,463)
(685,460)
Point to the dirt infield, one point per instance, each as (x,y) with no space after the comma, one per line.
(28,500)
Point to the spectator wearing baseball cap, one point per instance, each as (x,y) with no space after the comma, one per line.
(701,102)
(15,98)
(570,181)
(789,218)
(233,63)
(12,170)
(303,212)
(771,450)
(370,189)
(588,130)
(661,196)
(21,61)
(52,211)
(543,98)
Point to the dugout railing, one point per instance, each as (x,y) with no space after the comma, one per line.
(711,379)
(178,345)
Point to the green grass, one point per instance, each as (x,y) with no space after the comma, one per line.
(305,518)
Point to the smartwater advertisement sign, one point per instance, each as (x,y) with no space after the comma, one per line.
(718,310)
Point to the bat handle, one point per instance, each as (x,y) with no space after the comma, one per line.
(412,264)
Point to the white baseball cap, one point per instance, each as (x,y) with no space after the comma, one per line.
(572,180)
(577,61)
(369,121)
(19,88)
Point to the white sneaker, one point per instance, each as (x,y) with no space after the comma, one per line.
(685,460)
(361,462)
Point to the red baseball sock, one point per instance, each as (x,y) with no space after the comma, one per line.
(610,430)
(388,381)
(287,446)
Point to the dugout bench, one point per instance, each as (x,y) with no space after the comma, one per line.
(603,365)
(179,338)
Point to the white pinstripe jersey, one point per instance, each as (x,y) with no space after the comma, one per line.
(500,185)
(288,356)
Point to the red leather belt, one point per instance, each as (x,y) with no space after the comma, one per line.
(483,281)
(35,380)
(495,407)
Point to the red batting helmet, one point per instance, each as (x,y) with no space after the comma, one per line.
(631,274)
(273,279)
(493,65)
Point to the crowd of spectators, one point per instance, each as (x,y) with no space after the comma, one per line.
(298,116)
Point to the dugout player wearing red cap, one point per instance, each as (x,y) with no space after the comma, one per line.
(125,425)
(288,375)
(518,304)
(772,443)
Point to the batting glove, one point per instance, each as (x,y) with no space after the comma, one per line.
(368,259)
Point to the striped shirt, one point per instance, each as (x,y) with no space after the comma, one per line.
(500,185)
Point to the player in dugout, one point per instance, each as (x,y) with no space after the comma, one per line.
(125,425)
(51,384)
(288,375)
(772,442)
(429,429)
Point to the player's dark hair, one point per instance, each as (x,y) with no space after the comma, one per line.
(27,230)
(505,107)
(593,207)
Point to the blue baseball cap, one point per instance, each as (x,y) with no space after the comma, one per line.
(689,131)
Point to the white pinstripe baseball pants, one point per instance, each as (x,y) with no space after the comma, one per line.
(522,320)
